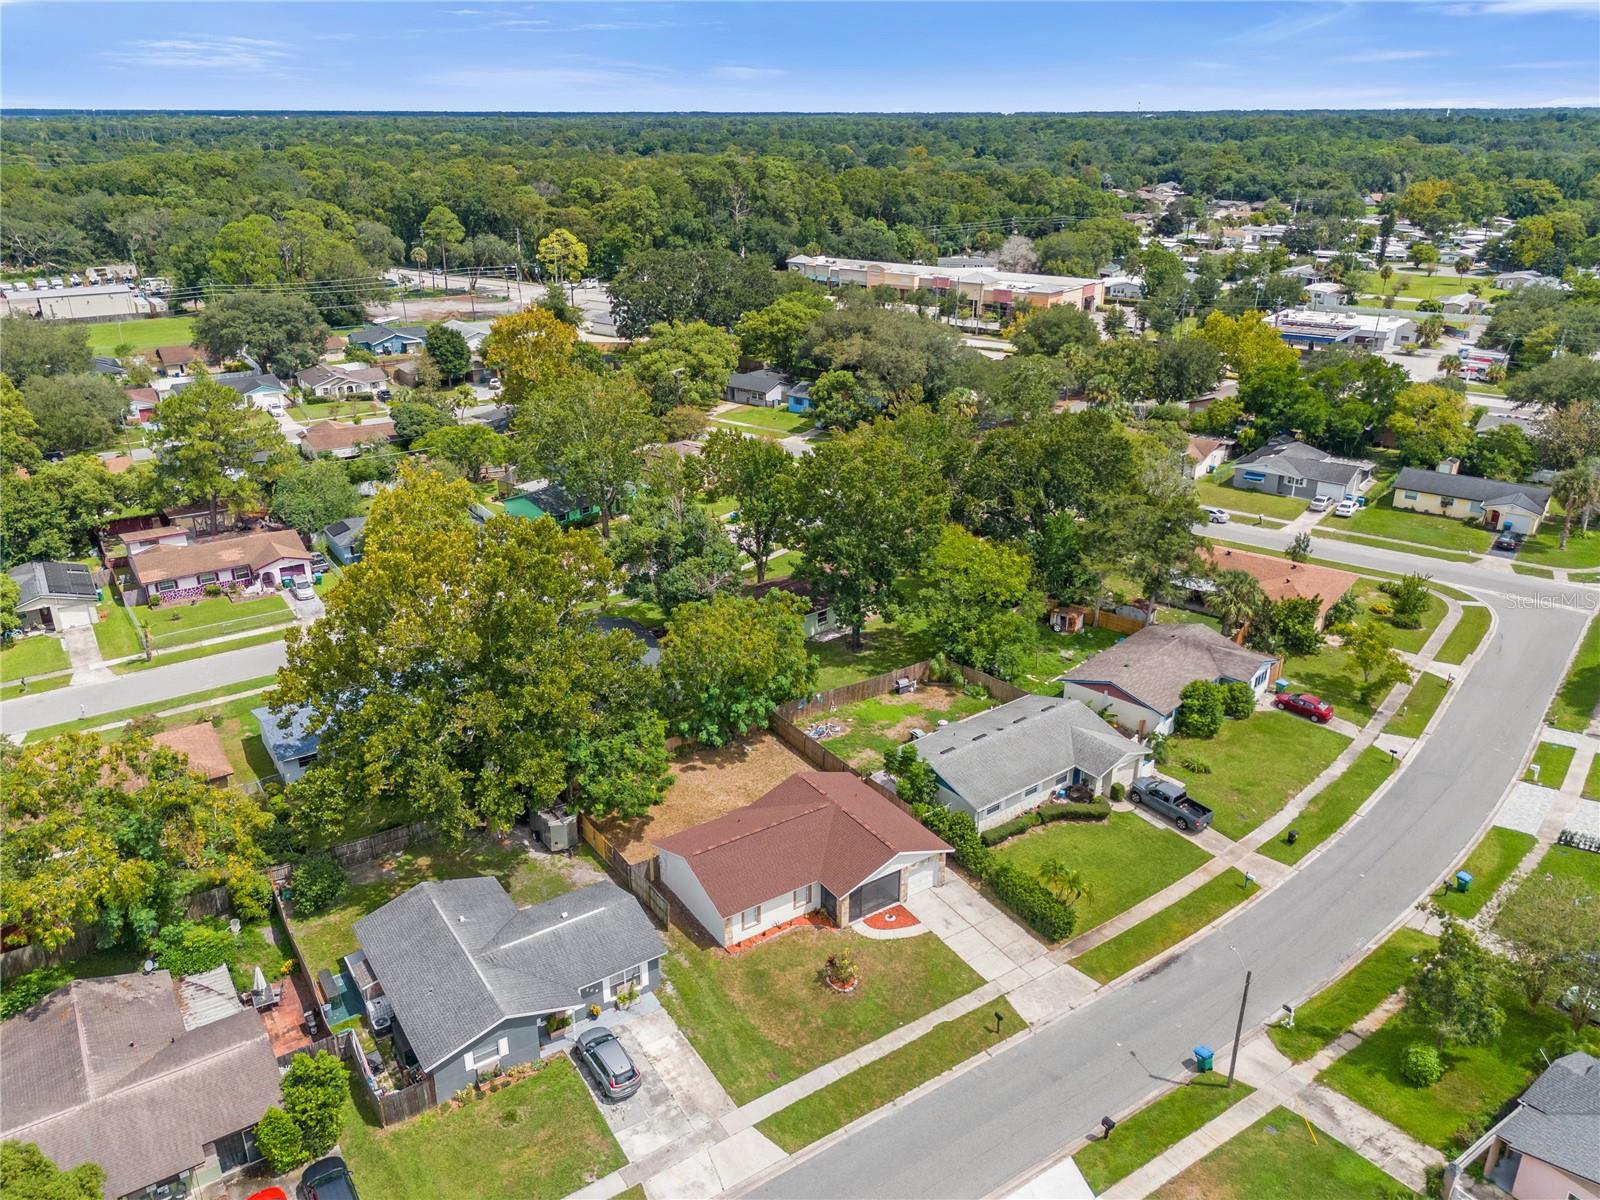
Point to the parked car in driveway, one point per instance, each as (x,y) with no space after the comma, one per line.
(1507,541)
(1320,503)
(327,1179)
(1171,801)
(1345,508)
(303,590)
(1217,516)
(609,1063)
(1304,704)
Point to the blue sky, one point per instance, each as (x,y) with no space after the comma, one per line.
(477,54)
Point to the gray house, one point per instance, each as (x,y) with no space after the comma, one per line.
(345,539)
(473,979)
(763,388)
(54,595)
(1287,468)
(288,740)
(1002,762)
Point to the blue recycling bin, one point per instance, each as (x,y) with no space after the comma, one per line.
(1463,881)
(1203,1057)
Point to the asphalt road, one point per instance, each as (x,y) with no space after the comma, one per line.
(992,1124)
(125,691)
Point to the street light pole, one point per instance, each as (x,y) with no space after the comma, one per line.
(1238,1029)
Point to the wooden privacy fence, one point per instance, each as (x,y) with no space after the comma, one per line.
(19,960)
(390,1108)
(881,685)
(633,876)
(385,841)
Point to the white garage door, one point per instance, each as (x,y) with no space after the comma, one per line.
(71,618)
(923,875)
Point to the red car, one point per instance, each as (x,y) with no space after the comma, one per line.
(1306,705)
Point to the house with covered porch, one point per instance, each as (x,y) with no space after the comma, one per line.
(176,567)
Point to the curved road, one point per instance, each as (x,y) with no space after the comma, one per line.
(990,1125)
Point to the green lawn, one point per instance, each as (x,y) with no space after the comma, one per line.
(1574,705)
(881,723)
(946,1045)
(1464,638)
(50,683)
(127,714)
(37,654)
(1184,616)
(1257,766)
(324,410)
(1279,1156)
(1171,925)
(1156,1128)
(115,633)
(1411,640)
(1416,548)
(1343,1003)
(1571,861)
(1491,860)
(1330,808)
(764,1017)
(1426,694)
(541,1137)
(165,658)
(1053,653)
(1478,1080)
(328,937)
(1549,765)
(883,648)
(1216,492)
(140,335)
(1381,519)
(1536,572)
(1544,548)
(1123,860)
(647,612)
(1329,673)
(777,420)
(182,622)
(1591,782)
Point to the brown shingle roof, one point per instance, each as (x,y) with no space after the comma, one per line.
(253,550)
(1154,664)
(341,435)
(173,356)
(202,745)
(816,826)
(1284,580)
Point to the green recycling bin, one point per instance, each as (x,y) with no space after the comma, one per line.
(1203,1058)
(1280,687)
(1463,881)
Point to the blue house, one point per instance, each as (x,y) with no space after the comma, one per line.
(800,397)
(289,741)
(388,339)
(344,540)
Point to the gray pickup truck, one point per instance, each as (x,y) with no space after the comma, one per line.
(1171,801)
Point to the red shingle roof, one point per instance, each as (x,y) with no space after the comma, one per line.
(816,826)
(339,435)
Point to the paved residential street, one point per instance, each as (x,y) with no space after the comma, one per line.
(18,716)
(992,1125)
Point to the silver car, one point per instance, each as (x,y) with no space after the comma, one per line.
(609,1063)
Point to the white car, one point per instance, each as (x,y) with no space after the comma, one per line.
(1217,516)
(303,590)
(1345,508)
(1321,504)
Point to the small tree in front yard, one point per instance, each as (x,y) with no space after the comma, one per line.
(1289,625)
(1200,710)
(1380,664)
(1409,597)
(1550,923)
(1063,880)
(1453,993)
(1238,700)
(1300,547)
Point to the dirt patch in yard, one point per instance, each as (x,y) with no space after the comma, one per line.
(707,784)
(859,733)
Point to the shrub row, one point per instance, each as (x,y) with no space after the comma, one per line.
(1096,810)
(1050,917)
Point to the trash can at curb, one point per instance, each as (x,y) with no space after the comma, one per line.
(1203,1056)
(1280,687)
(1463,881)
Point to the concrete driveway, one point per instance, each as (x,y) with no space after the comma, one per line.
(679,1098)
(985,938)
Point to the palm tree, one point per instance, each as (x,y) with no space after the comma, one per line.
(1067,883)
(1573,489)
(1450,364)
(419,259)
(1236,598)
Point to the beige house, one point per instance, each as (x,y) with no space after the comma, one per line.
(1511,507)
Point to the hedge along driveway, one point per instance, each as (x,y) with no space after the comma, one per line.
(1123,860)
(1256,766)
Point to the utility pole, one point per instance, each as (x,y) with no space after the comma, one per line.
(1238,1029)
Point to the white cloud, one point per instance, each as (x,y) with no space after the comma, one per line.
(237,54)
(746,73)
(1387,56)
(1302,19)
(1517,8)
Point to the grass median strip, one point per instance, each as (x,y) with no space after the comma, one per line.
(1330,808)
(123,715)
(1348,999)
(944,1046)
(1550,764)
(1402,547)
(49,683)
(1575,703)
(1427,693)
(178,656)
(1464,638)
(1156,1128)
(1491,860)
(1121,954)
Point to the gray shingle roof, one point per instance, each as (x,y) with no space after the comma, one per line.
(371,335)
(1300,460)
(456,957)
(757,381)
(345,532)
(1000,751)
(47,581)
(1154,664)
(103,1071)
(1471,487)
(239,381)
(1558,1121)
(289,736)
